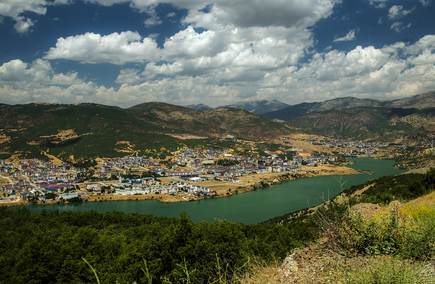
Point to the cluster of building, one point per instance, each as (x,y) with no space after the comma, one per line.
(38,177)
(152,186)
(353,148)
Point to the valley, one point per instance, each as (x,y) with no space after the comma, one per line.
(173,154)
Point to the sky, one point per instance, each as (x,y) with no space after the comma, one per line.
(183,52)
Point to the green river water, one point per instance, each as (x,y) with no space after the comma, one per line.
(251,207)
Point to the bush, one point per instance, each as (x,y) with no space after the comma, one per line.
(408,233)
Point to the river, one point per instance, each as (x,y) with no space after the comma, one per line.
(251,207)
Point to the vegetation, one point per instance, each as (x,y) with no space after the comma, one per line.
(364,123)
(391,233)
(49,246)
(405,187)
(91,130)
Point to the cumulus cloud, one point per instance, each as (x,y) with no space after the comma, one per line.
(283,13)
(128,76)
(397,11)
(350,36)
(39,71)
(225,53)
(394,71)
(114,48)
(189,52)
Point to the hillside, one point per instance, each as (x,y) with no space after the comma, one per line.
(213,123)
(421,101)
(90,130)
(365,123)
(258,107)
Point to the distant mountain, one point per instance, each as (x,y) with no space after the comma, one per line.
(258,107)
(426,100)
(200,107)
(421,101)
(211,123)
(92,130)
(366,123)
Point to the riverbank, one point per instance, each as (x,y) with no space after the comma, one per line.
(222,189)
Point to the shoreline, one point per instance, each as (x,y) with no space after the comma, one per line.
(255,182)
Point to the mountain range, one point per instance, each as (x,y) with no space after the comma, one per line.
(421,101)
(91,130)
(354,118)
(258,107)
(281,111)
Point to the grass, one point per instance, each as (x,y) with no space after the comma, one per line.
(407,233)
(380,270)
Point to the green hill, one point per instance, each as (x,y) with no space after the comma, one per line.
(91,130)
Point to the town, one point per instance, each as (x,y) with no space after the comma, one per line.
(179,174)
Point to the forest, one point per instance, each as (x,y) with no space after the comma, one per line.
(53,246)
(49,247)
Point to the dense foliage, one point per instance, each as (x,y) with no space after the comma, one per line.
(48,247)
(401,187)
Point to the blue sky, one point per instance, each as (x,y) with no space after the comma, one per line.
(126,52)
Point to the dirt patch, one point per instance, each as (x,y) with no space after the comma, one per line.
(366,209)
(361,191)
(62,135)
(186,136)
(4,139)
(55,160)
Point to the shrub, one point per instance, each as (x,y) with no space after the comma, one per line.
(408,233)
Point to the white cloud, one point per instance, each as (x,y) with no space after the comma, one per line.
(170,15)
(425,44)
(13,71)
(281,13)
(14,9)
(393,71)
(188,43)
(114,48)
(22,25)
(224,54)
(153,19)
(350,36)
(425,2)
(129,76)
(40,71)
(397,12)
(378,3)
(398,26)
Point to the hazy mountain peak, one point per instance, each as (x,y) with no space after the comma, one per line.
(200,107)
